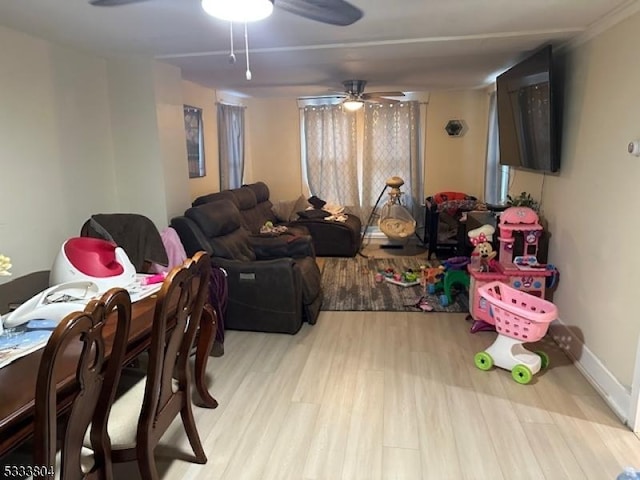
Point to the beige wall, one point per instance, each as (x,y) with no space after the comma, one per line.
(456,163)
(56,151)
(525,181)
(136,141)
(81,134)
(273,144)
(173,147)
(592,206)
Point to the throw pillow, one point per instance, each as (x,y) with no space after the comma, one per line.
(283,209)
(313,214)
(301,205)
(317,202)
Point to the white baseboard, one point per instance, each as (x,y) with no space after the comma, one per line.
(612,391)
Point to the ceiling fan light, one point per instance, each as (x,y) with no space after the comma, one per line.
(353,105)
(238,10)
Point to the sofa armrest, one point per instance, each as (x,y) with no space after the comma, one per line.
(192,238)
(271,247)
(332,238)
(263,295)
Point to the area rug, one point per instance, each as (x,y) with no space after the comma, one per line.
(349,284)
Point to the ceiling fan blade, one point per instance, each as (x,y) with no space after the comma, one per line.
(333,12)
(381,100)
(369,95)
(113,3)
(322,97)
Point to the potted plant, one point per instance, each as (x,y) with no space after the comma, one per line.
(524,200)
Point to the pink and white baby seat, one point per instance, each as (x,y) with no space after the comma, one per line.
(83,269)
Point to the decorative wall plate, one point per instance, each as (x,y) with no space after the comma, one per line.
(456,128)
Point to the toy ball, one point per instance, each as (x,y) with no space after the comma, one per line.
(444,300)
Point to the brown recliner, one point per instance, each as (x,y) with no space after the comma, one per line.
(274,283)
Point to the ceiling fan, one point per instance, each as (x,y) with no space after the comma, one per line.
(333,12)
(354,96)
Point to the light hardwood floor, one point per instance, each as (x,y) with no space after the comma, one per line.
(381,395)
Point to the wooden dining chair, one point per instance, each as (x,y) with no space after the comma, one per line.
(140,416)
(80,337)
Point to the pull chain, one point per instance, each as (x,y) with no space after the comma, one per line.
(232,56)
(246,46)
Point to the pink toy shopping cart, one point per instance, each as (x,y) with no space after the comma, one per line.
(519,317)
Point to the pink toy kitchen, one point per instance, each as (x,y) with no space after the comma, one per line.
(517,269)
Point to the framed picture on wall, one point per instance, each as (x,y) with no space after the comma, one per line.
(195,141)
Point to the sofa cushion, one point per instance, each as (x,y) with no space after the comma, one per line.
(215,218)
(260,190)
(264,207)
(233,246)
(283,210)
(314,213)
(221,224)
(245,198)
(252,218)
(212,197)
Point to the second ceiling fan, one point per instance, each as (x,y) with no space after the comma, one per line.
(354,96)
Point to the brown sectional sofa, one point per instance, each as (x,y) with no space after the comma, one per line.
(274,283)
(330,238)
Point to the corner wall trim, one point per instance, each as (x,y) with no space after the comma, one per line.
(617,396)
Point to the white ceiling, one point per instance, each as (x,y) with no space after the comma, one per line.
(409,45)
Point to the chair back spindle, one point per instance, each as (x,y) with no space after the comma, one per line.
(80,336)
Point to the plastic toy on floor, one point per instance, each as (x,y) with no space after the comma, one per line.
(518,318)
(423,304)
(431,277)
(406,278)
(455,274)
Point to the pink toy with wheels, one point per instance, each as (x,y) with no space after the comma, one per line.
(519,318)
(521,272)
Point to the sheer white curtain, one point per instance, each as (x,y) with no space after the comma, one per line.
(330,154)
(230,145)
(392,148)
(496,178)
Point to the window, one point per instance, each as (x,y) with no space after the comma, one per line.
(349,165)
(329,143)
(392,148)
(496,184)
(231,145)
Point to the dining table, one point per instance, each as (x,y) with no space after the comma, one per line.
(18,379)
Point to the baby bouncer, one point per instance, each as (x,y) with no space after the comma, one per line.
(395,220)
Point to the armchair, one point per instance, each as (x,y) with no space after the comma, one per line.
(273,282)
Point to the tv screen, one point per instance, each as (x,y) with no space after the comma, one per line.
(527,114)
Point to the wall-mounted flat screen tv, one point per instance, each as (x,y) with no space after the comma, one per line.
(528,114)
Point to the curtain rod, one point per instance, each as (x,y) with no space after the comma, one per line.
(230,104)
(336,104)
